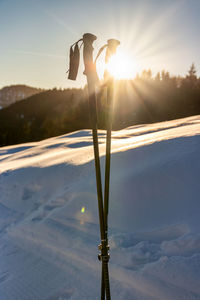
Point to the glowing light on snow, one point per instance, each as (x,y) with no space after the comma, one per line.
(83,209)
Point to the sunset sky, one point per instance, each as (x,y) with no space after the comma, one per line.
(35,36)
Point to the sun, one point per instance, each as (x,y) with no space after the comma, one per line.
(121,66)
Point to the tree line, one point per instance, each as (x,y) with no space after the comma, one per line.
(146,99)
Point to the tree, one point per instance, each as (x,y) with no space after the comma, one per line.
(165,75)
(149,74)
(157,78)
(191,78)
(146,74)
(192,73)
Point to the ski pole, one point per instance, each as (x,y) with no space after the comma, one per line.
(90,72)
(111,50)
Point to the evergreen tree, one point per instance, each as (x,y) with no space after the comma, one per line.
(191,81)
(192,73)
(157,78)
(149,74)
(165,75)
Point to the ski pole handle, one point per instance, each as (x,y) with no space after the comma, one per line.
(112,45)
(90,72)
(90,69)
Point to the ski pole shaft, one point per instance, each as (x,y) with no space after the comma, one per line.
(111,49)
(102,284)
(88,39)
(108,150)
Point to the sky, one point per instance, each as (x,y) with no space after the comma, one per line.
(35,36)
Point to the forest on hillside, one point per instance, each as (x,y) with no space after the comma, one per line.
(146,99)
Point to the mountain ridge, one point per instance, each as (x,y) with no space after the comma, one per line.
(14,93)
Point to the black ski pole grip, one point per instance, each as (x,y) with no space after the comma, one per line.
(90,69)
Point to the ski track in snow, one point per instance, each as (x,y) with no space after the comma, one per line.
(48,248)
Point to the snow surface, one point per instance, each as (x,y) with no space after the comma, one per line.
(49,228)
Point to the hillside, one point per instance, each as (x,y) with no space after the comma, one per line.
(40,116)
(55,112)
(14,93)
(49,243)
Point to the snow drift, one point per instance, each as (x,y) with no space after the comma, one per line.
(49,219)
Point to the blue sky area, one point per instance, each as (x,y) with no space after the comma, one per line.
(36,36)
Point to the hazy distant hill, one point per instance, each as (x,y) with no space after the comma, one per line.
(13,93)
(43,115)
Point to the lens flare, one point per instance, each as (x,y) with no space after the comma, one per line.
(83,209)
(121,66)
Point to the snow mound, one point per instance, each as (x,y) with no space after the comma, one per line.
(49,219)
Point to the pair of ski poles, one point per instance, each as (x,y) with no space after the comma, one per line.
(90,72)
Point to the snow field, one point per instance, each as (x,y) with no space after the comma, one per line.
(48,247)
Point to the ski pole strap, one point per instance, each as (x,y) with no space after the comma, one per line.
(74,59)
(100,51)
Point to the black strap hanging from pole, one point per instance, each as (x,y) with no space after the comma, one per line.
(74,59)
